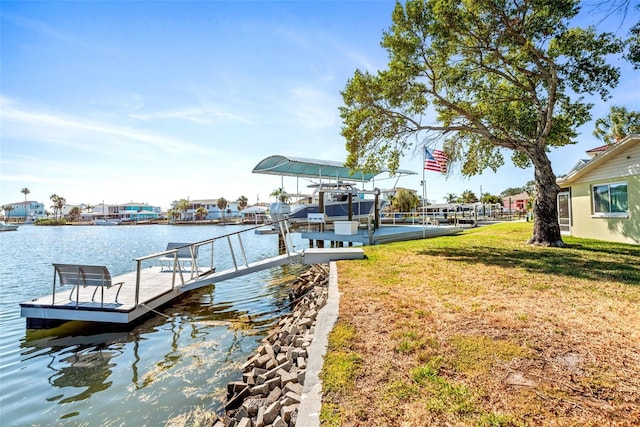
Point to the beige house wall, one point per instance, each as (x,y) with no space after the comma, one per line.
(622,230)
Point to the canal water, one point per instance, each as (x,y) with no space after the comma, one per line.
(148,375)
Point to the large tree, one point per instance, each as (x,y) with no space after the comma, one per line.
(497,75)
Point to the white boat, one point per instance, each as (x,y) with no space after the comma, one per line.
(8,227)
(337,183)
(101,221)
(335,202)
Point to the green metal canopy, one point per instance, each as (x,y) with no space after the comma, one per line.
(314,168)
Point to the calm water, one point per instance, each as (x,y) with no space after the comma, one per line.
(77,374)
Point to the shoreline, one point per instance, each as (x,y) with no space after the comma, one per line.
(280,380)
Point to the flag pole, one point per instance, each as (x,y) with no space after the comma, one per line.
(424,182)
(424,193)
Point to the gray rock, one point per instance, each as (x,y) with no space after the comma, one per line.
(273,395)
(293,387)
(271,412)
(286,411)
(279,422)
(260,390)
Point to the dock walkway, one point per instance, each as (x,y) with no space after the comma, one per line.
(153,285)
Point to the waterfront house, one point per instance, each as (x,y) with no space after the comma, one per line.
(213,211)
(25,211)
(600,196)
(516,203)
(127,212)
(254,214)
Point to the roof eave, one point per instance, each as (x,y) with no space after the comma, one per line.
(571,178)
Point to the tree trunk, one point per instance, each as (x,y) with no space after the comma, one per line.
(546,229)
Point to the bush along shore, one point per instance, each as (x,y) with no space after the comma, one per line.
(273,377)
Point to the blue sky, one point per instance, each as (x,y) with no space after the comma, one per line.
(152,102)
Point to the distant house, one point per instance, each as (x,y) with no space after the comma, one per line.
(66,209)
(213,211)
(126,212)
(600,196)
(254,213)
(516,202)
(25,211)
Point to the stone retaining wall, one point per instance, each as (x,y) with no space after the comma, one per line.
(273,378)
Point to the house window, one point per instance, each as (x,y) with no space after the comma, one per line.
(610,199)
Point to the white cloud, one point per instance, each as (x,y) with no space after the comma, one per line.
(84,133)
(194,115)
(314,108)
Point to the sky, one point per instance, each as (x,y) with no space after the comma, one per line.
(152,102)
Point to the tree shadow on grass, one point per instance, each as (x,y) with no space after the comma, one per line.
(576,261)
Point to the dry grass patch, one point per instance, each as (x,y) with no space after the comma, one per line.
(481,329)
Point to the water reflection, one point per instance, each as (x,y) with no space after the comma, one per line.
(87,369)
(181,357)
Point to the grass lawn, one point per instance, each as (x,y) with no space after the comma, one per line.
(481,329)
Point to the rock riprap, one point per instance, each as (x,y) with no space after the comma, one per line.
(273,377)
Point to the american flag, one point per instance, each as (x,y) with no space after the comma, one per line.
(436,161)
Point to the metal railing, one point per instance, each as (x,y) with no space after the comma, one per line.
(239,258)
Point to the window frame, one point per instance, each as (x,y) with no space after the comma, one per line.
(594,214)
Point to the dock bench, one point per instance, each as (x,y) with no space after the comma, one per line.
(79,276)
(182,256)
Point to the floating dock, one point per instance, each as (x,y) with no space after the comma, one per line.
(383,234)
(158,280)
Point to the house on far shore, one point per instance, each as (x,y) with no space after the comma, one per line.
(213,211)
(516,203)
(125,212)
(24,211)
(600,196)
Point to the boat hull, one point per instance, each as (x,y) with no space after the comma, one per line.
(106,222)
(8,227)
(335,211)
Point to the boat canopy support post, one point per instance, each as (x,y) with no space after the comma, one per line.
(376,211)
(320,243)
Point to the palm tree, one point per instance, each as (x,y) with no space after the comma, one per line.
(25,191)
(451,198)
(242,202)
(280,194)
(7,210)
(53,199)
(619,123)
(201,213)
(222,205)
(182,205)
(469,196)
(58,204)
(173,214)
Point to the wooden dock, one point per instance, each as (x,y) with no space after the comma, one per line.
(152,286)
